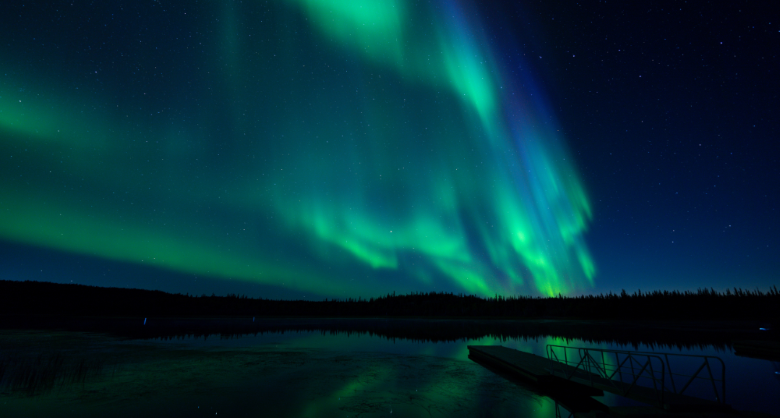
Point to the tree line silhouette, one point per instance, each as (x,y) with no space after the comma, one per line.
(45,298)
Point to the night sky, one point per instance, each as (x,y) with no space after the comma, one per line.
(330,148)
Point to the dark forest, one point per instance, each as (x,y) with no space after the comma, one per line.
(42,298)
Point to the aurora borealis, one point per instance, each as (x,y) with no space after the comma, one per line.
(305,147)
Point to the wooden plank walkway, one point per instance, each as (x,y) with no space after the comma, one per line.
(533,367)
(568,395)
(529,366)
(549,373)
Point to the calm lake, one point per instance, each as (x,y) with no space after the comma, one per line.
(326,368)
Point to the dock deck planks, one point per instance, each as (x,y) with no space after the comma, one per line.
(549,373)
(529,365)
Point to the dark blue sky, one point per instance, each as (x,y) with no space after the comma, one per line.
(664,113)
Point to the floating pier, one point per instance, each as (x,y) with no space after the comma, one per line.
(528,366)
(557,377)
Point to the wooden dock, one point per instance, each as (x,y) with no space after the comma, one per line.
(549,374)
(572,396)
(528,366)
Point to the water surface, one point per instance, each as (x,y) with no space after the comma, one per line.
(329,368)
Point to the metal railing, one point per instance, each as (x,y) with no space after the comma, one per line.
(636,365)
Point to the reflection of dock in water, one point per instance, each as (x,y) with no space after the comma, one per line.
(572,387)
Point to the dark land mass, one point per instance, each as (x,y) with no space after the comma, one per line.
(44,298)
(670,319)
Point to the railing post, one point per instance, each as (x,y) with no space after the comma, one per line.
(663,380)
(588,363)
(723,381)
(671,376)
(691,379)
(712,378)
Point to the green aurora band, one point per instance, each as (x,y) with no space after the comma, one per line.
(341,148)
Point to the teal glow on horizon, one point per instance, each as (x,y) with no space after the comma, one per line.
(343,149)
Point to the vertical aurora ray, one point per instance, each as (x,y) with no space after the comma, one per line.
(343,148)
(522,201)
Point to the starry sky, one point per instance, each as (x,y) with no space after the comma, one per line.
(322,148)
